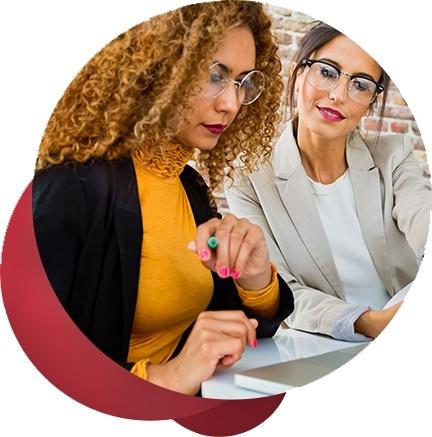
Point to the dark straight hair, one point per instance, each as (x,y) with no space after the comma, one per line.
(315,38)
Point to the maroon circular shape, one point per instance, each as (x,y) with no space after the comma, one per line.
(59,350)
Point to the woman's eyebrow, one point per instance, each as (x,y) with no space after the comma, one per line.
(222,65)
(228,70)
(359,73)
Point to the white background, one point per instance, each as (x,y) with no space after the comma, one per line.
(43,45)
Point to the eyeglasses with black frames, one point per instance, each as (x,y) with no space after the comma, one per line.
(324,76)
(249,88)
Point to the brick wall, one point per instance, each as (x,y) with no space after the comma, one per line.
(287,27)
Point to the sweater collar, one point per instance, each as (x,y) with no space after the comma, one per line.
(167,162)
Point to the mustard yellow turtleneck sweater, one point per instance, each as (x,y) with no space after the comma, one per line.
(174,287)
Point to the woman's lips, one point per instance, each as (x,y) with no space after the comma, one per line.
(215,129)
(330,114)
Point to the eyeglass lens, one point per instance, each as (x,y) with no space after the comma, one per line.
(249,88)
(323,76)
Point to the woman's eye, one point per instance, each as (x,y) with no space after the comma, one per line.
(328,73)
(361,85)
(247,83)
(215,78)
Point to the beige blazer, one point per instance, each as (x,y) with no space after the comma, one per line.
(393,202)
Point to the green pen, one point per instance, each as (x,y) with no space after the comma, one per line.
(212,242)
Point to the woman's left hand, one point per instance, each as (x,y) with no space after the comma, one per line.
(241,251)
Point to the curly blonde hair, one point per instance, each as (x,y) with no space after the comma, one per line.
(126,97)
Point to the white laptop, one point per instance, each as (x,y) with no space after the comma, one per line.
(280,377)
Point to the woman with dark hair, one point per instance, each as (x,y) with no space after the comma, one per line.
(345,217)
(122,222)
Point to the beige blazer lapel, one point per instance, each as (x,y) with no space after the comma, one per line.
(365,181)
(296,196)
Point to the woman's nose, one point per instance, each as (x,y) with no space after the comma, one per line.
(228,101)
(339,91)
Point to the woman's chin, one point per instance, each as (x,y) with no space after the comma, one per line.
(206,146)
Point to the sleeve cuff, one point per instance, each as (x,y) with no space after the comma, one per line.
(265,301)
(140,368)
(343,326)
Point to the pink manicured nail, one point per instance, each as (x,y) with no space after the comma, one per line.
(204,255)
(255,343)
(224,272)
(235,274)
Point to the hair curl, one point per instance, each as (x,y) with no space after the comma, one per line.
(127,96)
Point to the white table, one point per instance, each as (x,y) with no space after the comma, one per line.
(287,344)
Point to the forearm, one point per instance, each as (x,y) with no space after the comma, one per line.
(369,324)
(372,323)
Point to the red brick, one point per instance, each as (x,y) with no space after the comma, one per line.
(399,127)
(401,112)
(371,124)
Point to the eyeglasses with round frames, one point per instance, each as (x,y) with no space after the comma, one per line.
(324,76)
(249,88)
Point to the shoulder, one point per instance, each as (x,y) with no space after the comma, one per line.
(390,149)
(94,179)
(192,180)
(191,175)
(89,172)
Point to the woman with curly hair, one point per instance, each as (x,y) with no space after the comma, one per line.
(122,222)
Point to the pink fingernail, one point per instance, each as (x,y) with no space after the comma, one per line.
(204,255)
(235,274)
(224,272)
(255,343)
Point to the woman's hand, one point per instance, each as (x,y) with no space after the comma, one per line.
(217,339)
(241,252)
(371,323)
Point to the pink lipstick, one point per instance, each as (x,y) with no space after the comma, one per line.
(215,129)
(330,114)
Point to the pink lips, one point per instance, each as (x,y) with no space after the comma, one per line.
(330,114)
(215,129)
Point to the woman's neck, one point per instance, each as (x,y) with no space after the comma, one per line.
(323,159)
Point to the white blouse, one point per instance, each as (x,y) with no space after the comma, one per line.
(359,279)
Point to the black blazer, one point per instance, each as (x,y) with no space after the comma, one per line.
(88,228)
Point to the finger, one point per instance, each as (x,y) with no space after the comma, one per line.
(221,319)
(230,351)
(200,244)
(228,360)
(192,246)
(205,256)
(235,329)
(215,345)
(238,234)
(252,241)
(223,235)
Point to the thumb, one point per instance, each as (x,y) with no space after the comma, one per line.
(192,246)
